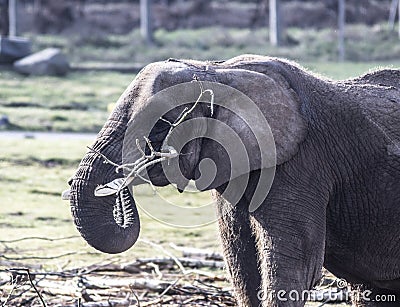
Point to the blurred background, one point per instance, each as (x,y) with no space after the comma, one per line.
(103,44)
(63,65)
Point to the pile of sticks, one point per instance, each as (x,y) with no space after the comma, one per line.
(194,279)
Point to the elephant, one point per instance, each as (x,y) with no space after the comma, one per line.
(334,200)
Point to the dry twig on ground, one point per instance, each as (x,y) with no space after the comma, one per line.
(195,279)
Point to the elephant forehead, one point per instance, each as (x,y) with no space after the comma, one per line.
(159,76)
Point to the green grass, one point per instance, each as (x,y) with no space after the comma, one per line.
(363,43)
(341,71)
(75,103)
(33,175)
(78,91)
(36,119)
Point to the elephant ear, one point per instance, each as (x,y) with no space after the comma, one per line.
(257,125)
(278,103)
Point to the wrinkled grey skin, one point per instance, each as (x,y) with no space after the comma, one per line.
(335,200)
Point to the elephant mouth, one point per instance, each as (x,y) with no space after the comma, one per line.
(135,171)
(66,195)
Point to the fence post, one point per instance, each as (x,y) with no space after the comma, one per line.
(12,18)
(146,21)
(341,32)
(399,17)
(275,35)
(392,14)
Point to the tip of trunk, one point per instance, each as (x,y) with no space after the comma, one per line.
(110,224)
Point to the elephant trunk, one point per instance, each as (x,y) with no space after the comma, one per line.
(109,223)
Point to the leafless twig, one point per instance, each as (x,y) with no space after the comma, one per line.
(156,269)
(39,238)
(9,295)
(32,284)
(106,160)
(135,295)
(158,246)
(170,287)
(46,257)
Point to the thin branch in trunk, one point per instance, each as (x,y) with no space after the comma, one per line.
(106,160)
(167,152)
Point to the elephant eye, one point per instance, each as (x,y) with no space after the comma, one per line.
(160,127)
(160,130)
(157,135)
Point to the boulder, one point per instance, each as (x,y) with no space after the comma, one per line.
(13,48)
(50,61)
(4,121)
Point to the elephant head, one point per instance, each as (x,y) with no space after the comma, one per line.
(187,132)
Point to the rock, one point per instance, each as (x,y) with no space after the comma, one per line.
(49,61)
(13,48)
(4,121)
